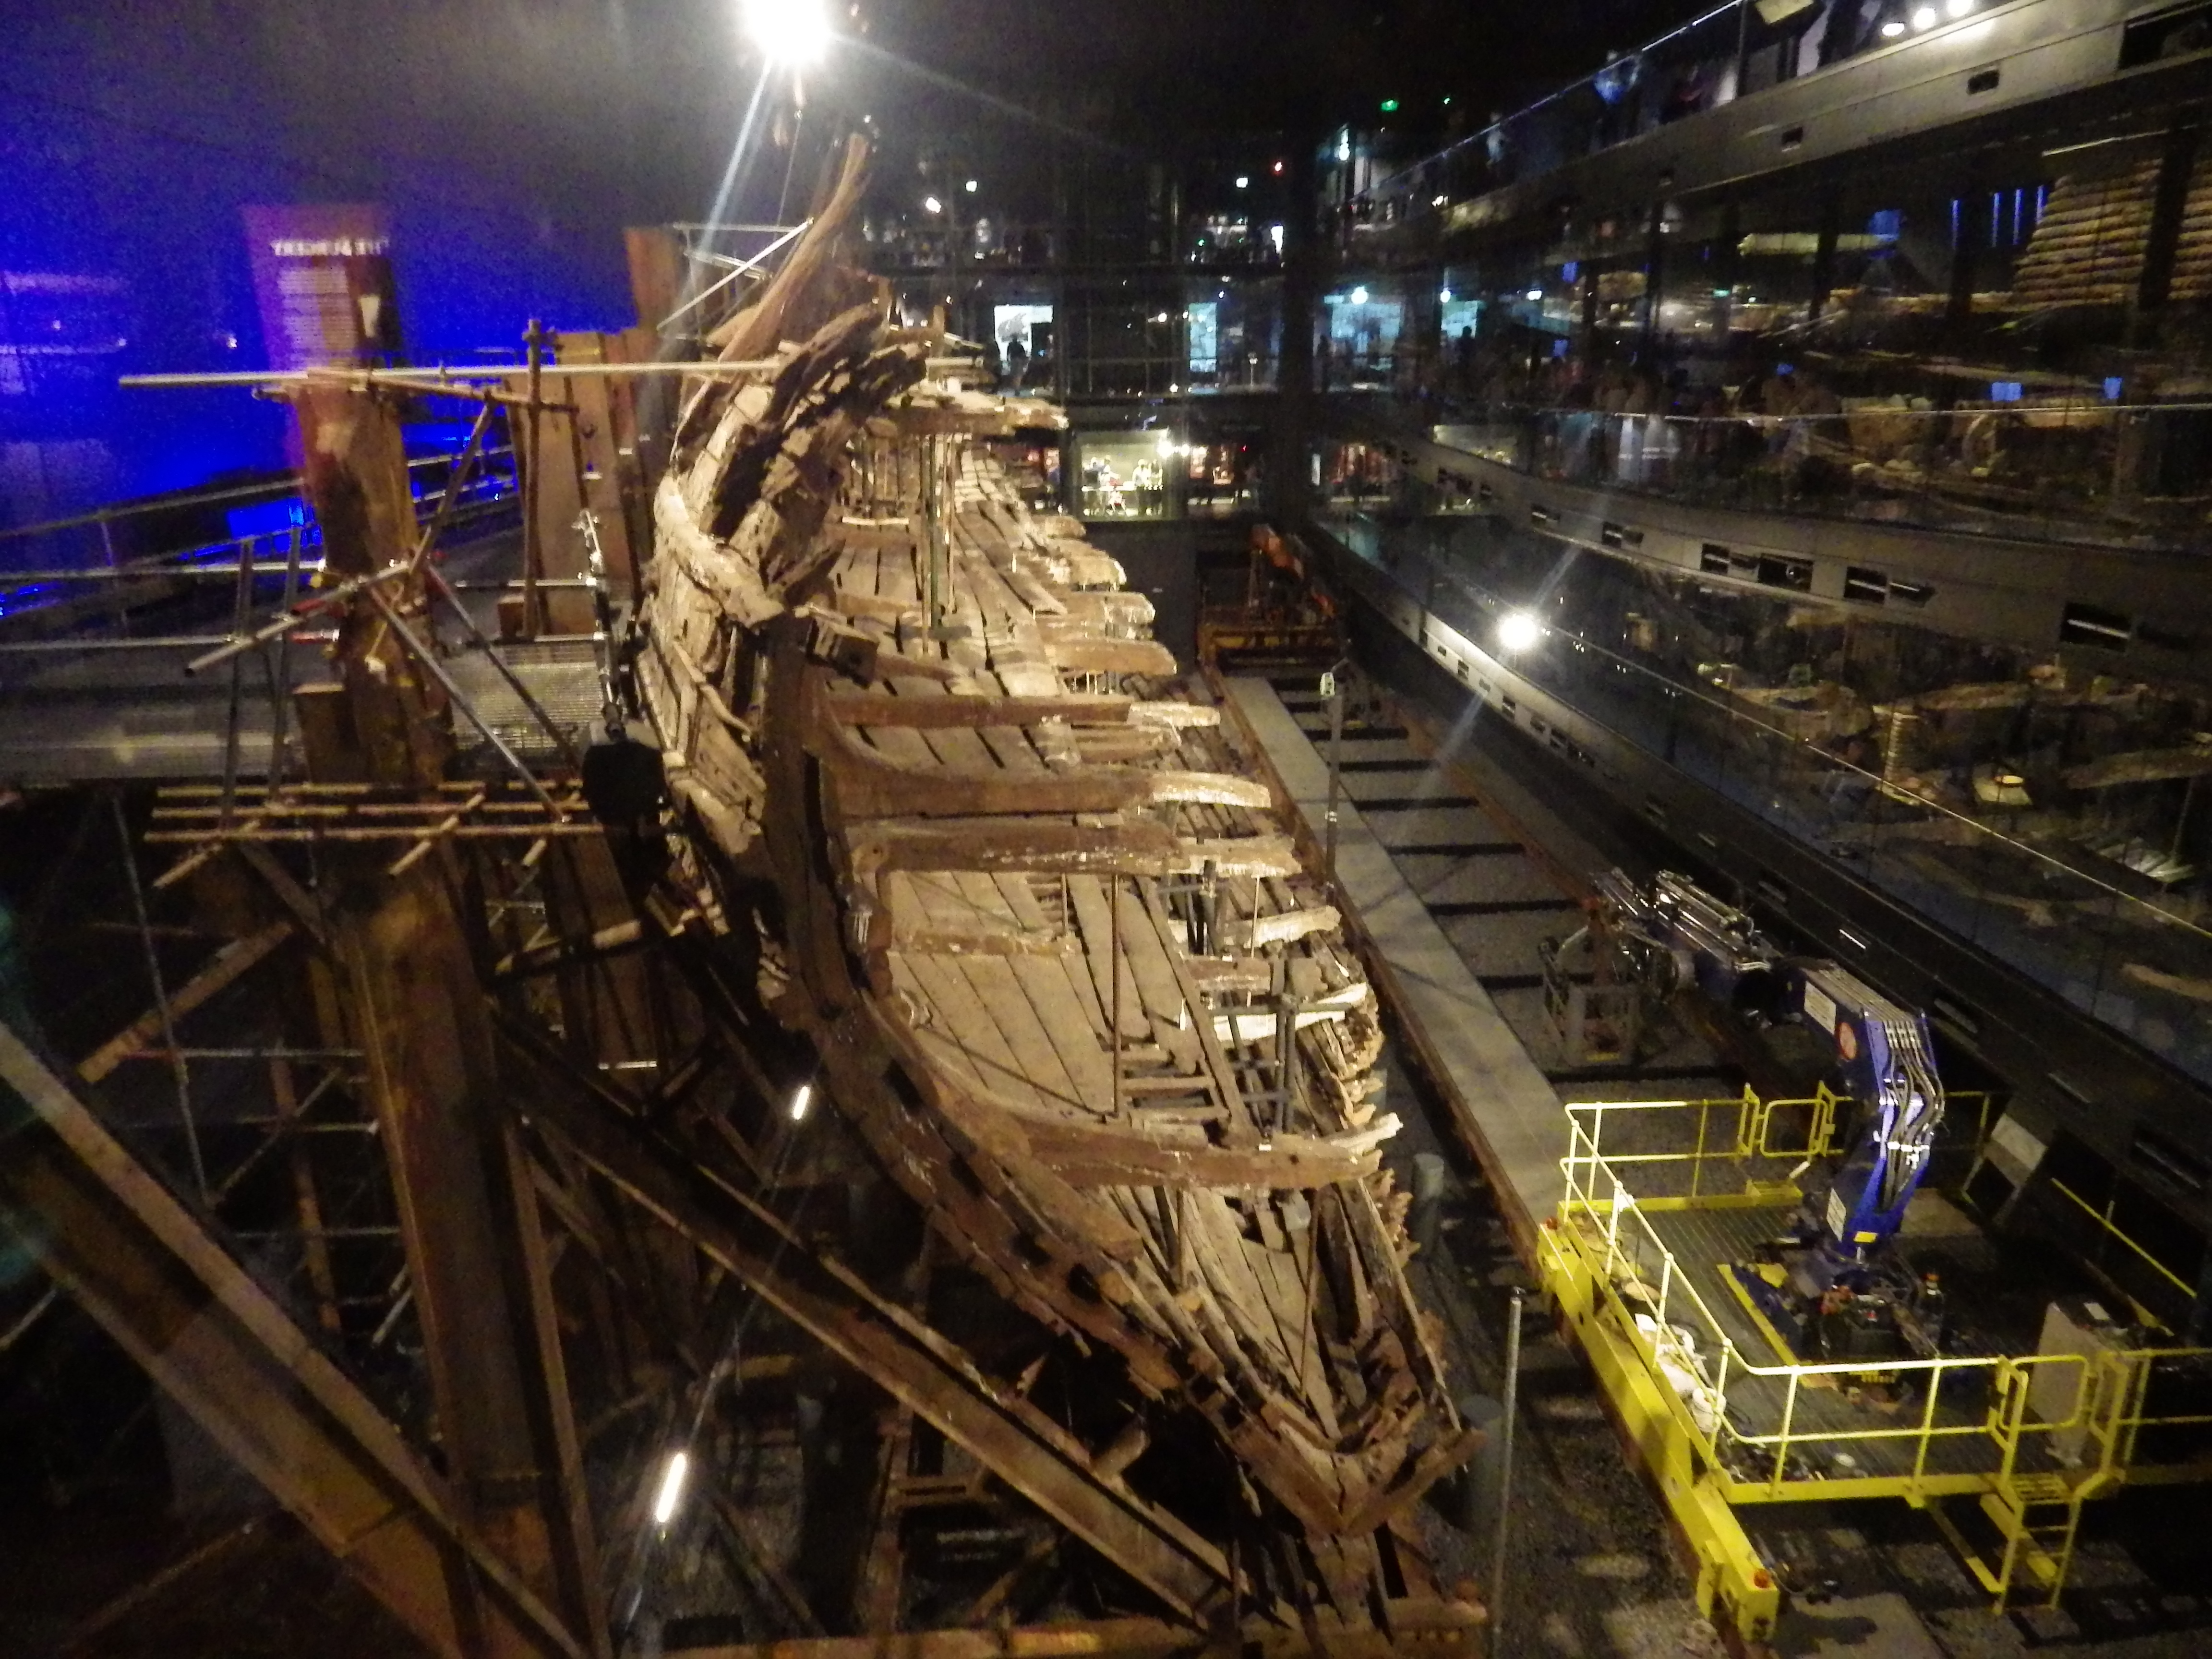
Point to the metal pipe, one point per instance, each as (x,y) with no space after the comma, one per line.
(423,654)
(438,585)
(713,227)
(1508,1398)
(457,481)
(242,607)
(420,380)
(280,671)
(1335,765)
(752,265)
(214,835)
(179,1070)
(132,572)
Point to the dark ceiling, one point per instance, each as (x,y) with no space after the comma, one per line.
(1146,66)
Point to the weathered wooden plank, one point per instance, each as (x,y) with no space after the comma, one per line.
(996,983)
(873,709)
(963,1028)
(1138,848)
(1095,656)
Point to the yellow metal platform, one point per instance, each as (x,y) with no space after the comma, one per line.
(1662,1196)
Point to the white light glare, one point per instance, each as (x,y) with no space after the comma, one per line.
(931,204)
(1924,17)
(1518,630)
(1892,29)
(671,1488)
(1444,294)
(1957,7)
(1359,296)
(1535,294)
(800,1101)
(1439,201)
(973,186)
(1244,181)
(789,30)
(1165,445)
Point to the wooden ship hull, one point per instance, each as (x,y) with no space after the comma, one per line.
(1062,969)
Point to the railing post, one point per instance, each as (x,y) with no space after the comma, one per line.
(1612,1227)
(1927,1424)
(1788,1421)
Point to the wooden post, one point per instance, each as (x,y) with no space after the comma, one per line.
(534,531)
(1114,960)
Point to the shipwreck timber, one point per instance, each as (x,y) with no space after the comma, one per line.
(1061,967)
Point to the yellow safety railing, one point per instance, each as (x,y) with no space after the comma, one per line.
(2112,1228)
(1745,1414)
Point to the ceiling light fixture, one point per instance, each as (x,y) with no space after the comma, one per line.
(1519,630)
(794,32)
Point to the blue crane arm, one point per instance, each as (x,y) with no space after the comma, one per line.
(1681,936)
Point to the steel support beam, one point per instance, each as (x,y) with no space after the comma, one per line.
(112,1236)
(911,1363)
(413,1006)
(1425,1626)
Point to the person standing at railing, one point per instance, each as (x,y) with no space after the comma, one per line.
(1616,86)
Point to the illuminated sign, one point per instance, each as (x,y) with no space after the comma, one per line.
(322,280)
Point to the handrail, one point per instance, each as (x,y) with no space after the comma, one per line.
(282,487)
(1891,788)
(2109,1396)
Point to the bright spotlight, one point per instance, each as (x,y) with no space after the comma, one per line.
(1957,7)
(1535,294)
(1359,296)
(795,32)
(972,186)
(800,1101)
(1165,444)
(1892,29)
(1244,181)
(1444,294)
(671,1488)
(931,204)
(1519,630)
(1924,17)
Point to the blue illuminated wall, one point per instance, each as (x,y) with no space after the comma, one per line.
(503,135)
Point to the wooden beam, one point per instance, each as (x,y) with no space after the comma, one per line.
(1095,656)
(1420,1626)
(913,1364)
(871,787)
(966,709)
(1137,848)
(222,971)
(111,1235)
